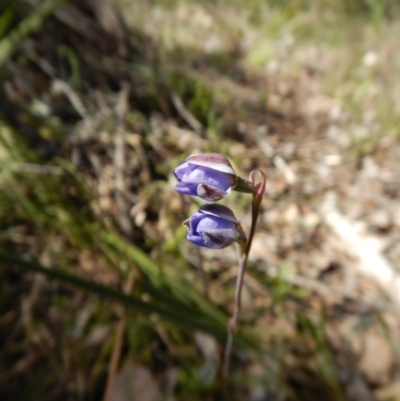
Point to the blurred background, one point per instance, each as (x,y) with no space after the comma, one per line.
(102,297)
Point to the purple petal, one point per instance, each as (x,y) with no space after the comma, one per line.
(220,238)
(209,222)
(194,221)
(207,176)
(196,239)
(220,211)
(214,226)
(186,188)
(182,169)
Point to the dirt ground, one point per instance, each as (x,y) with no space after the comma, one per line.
(94,115)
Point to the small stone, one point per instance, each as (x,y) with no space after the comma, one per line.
(287,150)
(311,220)
(380,219)
(291,214)
(396,216)
(271,217)
(369,167)
(377,357)
(370,59)
(135,382)
(333,160)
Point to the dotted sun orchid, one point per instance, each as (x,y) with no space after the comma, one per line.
(211,177)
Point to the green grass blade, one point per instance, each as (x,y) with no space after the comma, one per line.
(172,310)
(30,24)
(184,293)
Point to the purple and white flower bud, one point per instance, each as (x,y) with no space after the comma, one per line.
(207,175)
(215,227)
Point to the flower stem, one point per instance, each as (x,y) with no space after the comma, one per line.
(259,190)
(243,185)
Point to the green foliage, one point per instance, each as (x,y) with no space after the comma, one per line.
(6,20)
(162,303)
(197,94)
(74,64)
(26,27)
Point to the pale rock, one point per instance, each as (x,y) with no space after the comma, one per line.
(396,216)
(323,170)
(380,219)
(319,104)
(360,132)
(135,382)
(376,357)
(287,150)
(333,132)
(373,350)
(209,349)
(370,59)
(291,214)
(309,187)
(335,113)
(262,246)
(333,160)
(98,335)
(369,167)
(271,217)
(311,220)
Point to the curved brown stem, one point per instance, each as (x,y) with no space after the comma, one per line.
(245,251)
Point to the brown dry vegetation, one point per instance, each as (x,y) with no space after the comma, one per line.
(99,101)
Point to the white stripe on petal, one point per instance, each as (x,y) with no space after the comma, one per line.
(213,161)
(223,168)
(210,193)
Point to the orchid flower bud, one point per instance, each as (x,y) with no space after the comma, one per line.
(215,227)
(207,175)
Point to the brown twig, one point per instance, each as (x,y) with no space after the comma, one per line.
(116,353)
(185,113)
(119,161)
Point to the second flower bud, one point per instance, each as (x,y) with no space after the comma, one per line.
(214,226)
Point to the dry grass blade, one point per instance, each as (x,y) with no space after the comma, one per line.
(118,342)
